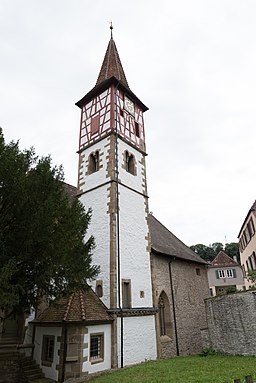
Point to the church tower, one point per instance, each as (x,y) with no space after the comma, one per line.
(112,181)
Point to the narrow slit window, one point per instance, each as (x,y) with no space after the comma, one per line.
(126,293)
(137,129)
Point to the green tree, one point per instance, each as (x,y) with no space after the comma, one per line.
(232,249)
(42,232)
(208,253)
(203,251)
(217,247)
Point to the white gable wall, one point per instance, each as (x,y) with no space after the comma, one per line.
(50,372)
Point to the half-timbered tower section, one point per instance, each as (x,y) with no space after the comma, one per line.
(112,181)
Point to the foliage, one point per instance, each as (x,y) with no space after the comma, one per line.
(251,276)
(230,289)
(42,231)
(208,253)
(206,351)
(190,369)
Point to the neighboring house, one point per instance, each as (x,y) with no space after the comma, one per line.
(224,272)
(247,243)
(179,278)
(73,337)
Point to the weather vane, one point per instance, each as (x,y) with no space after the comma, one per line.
(111,28)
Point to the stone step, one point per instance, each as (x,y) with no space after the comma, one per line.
(34,376)
(43,380)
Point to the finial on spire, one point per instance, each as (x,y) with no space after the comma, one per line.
(111,28)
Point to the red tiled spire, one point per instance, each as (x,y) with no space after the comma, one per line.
(111,65)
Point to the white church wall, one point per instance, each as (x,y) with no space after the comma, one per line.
(139,339)
(50,372)
(135,259)
(99,228)
(106,363)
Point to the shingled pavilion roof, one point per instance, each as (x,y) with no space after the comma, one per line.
(166,243)
(82,306)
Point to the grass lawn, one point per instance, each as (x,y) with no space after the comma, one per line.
(187,369)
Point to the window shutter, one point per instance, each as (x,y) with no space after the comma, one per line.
(217,274)
(234,273)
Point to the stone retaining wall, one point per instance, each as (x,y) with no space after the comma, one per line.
(231,323)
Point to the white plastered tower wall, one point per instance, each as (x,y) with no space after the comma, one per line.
(119,202)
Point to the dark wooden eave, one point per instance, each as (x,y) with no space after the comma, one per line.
(105,85)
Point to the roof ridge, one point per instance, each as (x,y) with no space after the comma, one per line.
(68,306)
(81,297)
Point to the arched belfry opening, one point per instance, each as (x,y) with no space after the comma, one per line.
(93,162)
(130,163)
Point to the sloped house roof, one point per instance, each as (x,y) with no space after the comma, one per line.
(223,260)
(166,243)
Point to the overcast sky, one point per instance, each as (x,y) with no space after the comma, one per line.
(193,63)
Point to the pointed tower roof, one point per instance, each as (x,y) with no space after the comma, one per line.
(112,65)
(222,259)
(111,72)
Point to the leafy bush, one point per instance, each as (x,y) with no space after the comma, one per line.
(206,351)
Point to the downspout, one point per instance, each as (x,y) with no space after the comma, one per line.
(118,240)
(64,332)
(174,310)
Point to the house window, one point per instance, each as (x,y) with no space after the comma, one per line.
(221,273)
(93,162)
(97,348)
(198,271)
(229,273)
(126,293)
(47,350)
(130,163)
(95,124)
(164,315)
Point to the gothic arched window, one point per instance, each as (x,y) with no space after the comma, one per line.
(164,315)
(93,162)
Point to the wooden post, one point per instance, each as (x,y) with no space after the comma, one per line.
(248,379)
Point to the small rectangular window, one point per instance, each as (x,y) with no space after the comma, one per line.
(126,293)
(97,348)
(47,354)
(198,271)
